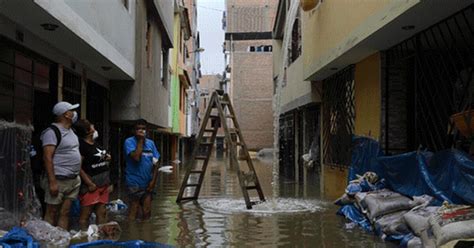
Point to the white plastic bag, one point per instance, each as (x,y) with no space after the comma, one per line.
(47,234)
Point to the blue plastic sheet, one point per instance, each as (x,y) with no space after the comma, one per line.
(365,152)
(404,241)
(353,214)
(18,238)
(446,175)
(452,171)
(403,174)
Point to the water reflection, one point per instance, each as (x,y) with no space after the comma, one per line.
(194,224)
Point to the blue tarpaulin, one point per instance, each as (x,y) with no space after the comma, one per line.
(447,175)
(365,152)
(18,238)
(353,214)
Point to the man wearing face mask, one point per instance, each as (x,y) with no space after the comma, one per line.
(62,162)
(141,171)
(95,174)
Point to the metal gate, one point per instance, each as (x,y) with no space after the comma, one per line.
(338,117)
(287,145)
(428,78)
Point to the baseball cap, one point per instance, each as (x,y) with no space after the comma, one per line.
(62,107)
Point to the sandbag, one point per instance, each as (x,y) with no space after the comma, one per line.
(417,218)
(415,242)
(453,223)
(384,202)
(392,224)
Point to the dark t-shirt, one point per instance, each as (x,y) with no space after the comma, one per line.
(94,161)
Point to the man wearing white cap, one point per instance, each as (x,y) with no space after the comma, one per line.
(62,161)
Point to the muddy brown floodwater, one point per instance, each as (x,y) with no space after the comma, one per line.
(298,218)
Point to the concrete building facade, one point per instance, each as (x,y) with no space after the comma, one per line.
(111,64)
(248,49)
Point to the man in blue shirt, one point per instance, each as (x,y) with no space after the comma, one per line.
(141,170)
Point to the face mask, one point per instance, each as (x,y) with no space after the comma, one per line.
(95,135)
(74,117)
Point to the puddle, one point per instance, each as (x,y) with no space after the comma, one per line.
(270,207)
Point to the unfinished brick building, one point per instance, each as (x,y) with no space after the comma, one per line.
(248,50)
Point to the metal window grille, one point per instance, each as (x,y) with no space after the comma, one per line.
(435,68)
(97,104)
(338,117)
(287,145)
(72,86)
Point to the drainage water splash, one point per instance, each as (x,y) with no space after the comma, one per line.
(290,20)
(275,206)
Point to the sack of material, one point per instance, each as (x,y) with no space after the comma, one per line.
(392,224)
(384,202)
(452,223)
(417,219)
(415,242)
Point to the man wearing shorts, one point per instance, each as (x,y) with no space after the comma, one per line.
(62,163)
(140,172)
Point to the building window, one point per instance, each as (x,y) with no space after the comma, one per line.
(148,46)
(72,88)
(338,117)
(295,48)
(164,67)
(261,48)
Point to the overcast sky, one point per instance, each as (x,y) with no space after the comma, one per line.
(212,35)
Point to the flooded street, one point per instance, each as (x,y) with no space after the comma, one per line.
(298,218)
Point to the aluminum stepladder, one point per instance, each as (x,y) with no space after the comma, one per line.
(248,180)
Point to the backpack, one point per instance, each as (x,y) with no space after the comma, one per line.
(36,151)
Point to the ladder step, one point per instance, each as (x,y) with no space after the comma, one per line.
(239,144)
(201,157)
(209,130)
(214,116)
(225,102)
(251,187)
(188,198)
(233,130)
(229,116)
(196,171)
(243,158)
(192,185)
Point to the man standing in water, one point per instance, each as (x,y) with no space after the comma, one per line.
(62,161)
(140,173)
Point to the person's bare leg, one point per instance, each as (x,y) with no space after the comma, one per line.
(147,207)
(132,211)
(101,213)
(84,217)
(51,214)
(63,221)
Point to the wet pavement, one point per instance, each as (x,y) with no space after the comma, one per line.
(297,218)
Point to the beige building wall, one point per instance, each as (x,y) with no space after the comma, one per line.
(368,97)
(207,84)
(335,27)
(250,15)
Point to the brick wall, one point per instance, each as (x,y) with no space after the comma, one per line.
(252,86)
